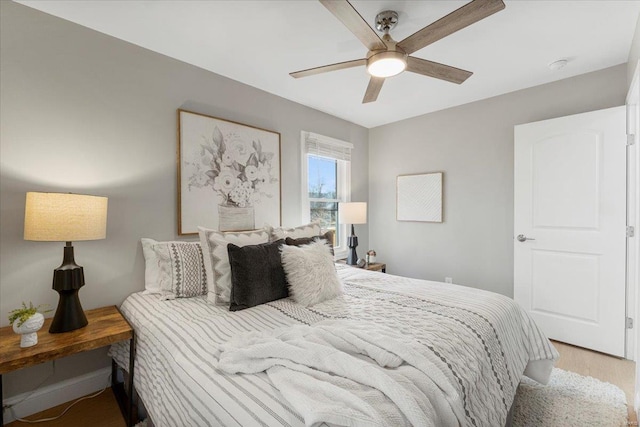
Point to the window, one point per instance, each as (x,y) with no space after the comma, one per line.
(326,182)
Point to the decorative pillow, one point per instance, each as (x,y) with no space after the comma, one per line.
(176,267)
(311,273)
(257,276)
(327,237)
(308,230)
(216,258)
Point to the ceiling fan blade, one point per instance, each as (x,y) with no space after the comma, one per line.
(458,19)
(350,17)
(327,68)
(437,70)
(375,84)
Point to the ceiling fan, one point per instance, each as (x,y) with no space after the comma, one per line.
(387,58)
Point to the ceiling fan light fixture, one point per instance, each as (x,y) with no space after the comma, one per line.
(387,64)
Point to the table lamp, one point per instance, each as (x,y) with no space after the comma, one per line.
(352,213)
(65,217)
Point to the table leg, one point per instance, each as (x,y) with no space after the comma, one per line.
(114,374)
(1,403)
(132,358)
(123,391)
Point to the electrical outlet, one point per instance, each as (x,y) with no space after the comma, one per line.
(448,280)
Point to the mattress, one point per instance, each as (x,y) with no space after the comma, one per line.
(485,339)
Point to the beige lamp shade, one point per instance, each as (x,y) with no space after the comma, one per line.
(352,212)
(64,217)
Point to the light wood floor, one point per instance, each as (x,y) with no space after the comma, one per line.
(103,410)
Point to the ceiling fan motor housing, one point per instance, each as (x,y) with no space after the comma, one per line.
(393,58)
(388,62)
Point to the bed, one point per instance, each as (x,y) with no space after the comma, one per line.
(484,340)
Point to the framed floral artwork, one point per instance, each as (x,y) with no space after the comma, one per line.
(228,175)
(419,197)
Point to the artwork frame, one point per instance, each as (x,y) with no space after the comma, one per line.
(229,174)
(419,197)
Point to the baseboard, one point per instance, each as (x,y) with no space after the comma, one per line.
(55,394)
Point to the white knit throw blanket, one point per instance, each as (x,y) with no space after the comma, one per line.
(347,372)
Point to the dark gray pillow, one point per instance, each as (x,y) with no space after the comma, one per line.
(328,237)
(257,276)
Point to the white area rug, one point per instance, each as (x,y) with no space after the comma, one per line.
(569,400)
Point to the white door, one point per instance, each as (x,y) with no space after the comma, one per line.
(570,206)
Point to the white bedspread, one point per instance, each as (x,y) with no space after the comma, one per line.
(478,343)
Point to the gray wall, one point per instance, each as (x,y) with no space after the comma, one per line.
(634,53)
(84,112)
(473,145)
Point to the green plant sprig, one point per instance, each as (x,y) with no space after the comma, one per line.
(24,313)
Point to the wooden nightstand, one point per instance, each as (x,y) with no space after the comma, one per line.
(372,266)
(376,266)
(106,326)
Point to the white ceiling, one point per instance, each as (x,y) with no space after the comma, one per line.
(260,42)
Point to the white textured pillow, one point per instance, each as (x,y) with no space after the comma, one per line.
(311,273)
(216,258)
(156,269)
(174,267)
(307,230)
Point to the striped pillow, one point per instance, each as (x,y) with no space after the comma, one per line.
(174,267)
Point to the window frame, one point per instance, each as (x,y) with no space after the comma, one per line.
(343,186)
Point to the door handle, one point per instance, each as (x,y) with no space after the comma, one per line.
(523,238)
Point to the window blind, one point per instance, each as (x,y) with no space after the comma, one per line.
(324,146)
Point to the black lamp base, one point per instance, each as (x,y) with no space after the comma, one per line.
(67,280)
(352,242)
(352,256)
(69,314)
